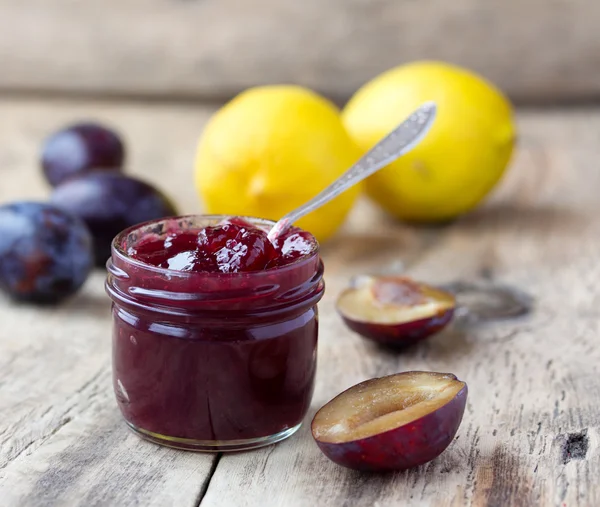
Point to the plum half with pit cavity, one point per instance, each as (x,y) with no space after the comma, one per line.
(391,423)
(394,310)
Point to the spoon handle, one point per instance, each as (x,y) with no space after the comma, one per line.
(398,142)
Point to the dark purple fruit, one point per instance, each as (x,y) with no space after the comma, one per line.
(391,423)
(80,148)
(45,253)
(109,202)
(395,310)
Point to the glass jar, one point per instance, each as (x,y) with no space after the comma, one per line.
(212,361)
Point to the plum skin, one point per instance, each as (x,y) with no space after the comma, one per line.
(401,335)
(109,202)
(80,148)
(404,447)
(45,253)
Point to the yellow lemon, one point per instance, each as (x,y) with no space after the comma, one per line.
(271,149)
(462,157)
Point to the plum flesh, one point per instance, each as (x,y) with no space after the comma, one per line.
(391,423)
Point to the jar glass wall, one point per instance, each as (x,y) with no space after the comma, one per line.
(212,361)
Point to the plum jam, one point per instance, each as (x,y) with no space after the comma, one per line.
(215,331)
(232,246)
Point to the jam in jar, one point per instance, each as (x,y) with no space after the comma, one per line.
(215,331)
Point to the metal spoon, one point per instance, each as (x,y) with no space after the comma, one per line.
(398,142)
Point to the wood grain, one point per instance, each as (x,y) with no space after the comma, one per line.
(531,432)
(62,441)
(536,50)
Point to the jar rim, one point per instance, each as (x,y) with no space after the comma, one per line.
(120,252)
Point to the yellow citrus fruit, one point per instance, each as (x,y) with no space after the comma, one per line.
(271,149)
(462,157)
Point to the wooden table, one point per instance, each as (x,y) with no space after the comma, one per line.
(531,431)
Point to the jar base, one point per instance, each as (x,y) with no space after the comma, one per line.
(188,444)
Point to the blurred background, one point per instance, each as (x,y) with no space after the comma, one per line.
(535,50)
(121,63)
(157,70)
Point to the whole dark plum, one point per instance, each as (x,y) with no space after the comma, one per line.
(45,252)
(110,202)
(80,148)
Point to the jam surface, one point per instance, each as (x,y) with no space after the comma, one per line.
(234,245)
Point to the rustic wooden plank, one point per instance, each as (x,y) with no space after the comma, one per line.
(536,50)
(62,441)
(531,431)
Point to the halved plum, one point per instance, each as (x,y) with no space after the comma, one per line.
(391,423)
(395,310)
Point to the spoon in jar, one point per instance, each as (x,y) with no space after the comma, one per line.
(398,142)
